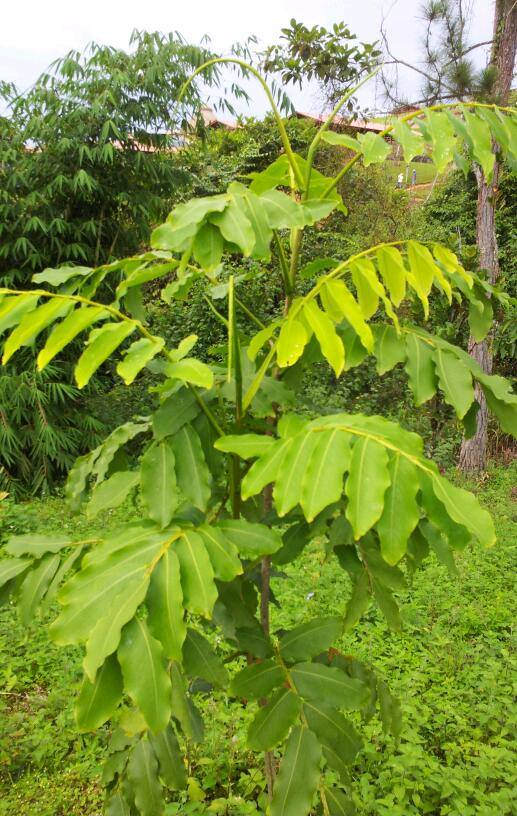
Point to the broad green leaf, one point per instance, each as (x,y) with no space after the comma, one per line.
(355,352)
(116,805)
(411,142)
(369,288)
(142,770)
(223,554)
(105,636)
(33,323)
(338,802)
(183,708)
(146,679)
(101,345)
(75,485)
(298,775)
(479,132)
(330,342)
(61,573)
(457,535)
(358,603)
(366,485)
(200,660)
(326,463)
(389,348)
(315,681)
(282,211)
(378,568)
(257,680)
(107,450)
(197,574)
(247,446)
(13,309)
(98,700)
(251,540)
(420,368)
(480,319)
(34,586)
(346,306)
(465,509)
(339,739)
(455,381)
(86,595)
(388,605)
(11,567)
(310,639)
(172,769)
(440,546)
(235,226)
(341,140)
(288,487)
(291,343)
(137,356)
(256,213)
(373,147)
(208,247)
(401,514)
(173,413)
(316,209)
(272,722)
(37,545)
(442,139)
(112,492)
(393,271)
(265,470)
(166,618)
(258,340)
(190,370)
(192,473)
(158,482)
(291,424)
(422,266)
(504,409)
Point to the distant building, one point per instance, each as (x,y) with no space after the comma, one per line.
(341,123)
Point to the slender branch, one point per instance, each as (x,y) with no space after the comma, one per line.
(283,261)
(278,117)
(249,312)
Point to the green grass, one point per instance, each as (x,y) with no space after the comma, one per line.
(425,171)
(451,667)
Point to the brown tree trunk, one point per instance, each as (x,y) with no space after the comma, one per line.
(473,451)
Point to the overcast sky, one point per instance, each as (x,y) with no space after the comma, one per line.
(33,33)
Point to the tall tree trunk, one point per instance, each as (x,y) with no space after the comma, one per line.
(473,451)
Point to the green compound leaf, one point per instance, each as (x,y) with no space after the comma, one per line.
(420,368)
(455,381)
(389,348)
(101,345)
(200,660)
(137,356)
(322,481)
(142,770)
(158,482)
(112,492)
(11,567)
(298,775)
(166,617)
(34,586)
(338,803)
(193,475)
(309,639)
(366,485)
(223,555)
(146,679)
(197,574)
(330,342)
(339,738)
(251,540)
(98,700)
(32,324)
(272,722)
(36,545)
(411,142)
(167,750)
(258,680)
(401,514)
(315,681)
(105,636)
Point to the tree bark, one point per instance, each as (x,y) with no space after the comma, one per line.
(473,453)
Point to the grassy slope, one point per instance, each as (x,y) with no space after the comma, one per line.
(451,667)
(425,172)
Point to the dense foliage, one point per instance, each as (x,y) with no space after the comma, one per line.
(231,484)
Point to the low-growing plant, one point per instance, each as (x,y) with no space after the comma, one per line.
(232,483)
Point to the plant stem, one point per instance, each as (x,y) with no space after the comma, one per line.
(265,571)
